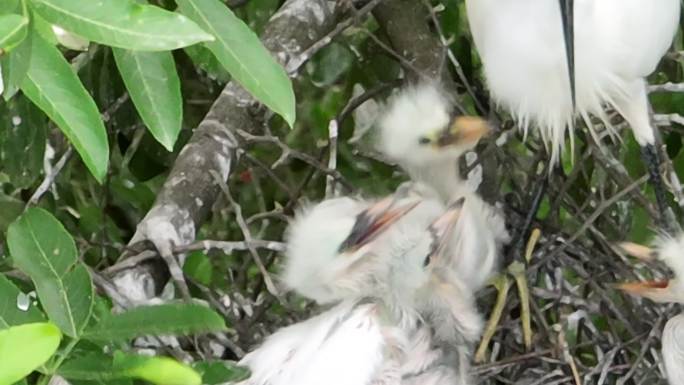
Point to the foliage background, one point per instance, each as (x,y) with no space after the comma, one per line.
(598,196)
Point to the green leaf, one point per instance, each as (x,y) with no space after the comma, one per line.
(10,313)
(152,82)
(198,267)
(155,320)
(219,372)
(15,65)
(43,28)
(100,367)
(10,209)
(43,249)
(52,85)
(241,52)
(205,60)
(122,23)
(93,367)
(13,29)
(128,191)
(24,348)
(157,370)
(22,141)
(8,6)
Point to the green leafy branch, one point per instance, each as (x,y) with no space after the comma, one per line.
(141,37)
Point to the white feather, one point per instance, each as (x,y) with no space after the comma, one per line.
(416,112)
(354,343)
(673,349)
(670,250)
(423,111)
(344,346)
(313,240)
(378,333)
(617,44)
(313,266)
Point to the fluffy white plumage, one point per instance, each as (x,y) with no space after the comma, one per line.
(351,344)
(408,130)
(673,349)
(313,266)
(617,44)
(381,330)
(669,250)
(415,113)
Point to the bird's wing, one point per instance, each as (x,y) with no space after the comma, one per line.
(347,345)
(477,19)
(673,349)
(477,241)
(641,31)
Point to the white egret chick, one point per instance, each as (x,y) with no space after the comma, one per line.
(333,251)
(420,133)
(670,251)
(548,64)
(377,333)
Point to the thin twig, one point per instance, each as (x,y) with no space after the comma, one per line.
(294,65)
(247,234)
(49,178)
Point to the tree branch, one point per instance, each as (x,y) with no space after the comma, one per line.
(190,189)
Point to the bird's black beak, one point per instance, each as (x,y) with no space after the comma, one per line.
(375,220)
(442,230)
(567,15)
(463,130)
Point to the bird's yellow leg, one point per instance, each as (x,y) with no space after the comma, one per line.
(502,284)
(517,270)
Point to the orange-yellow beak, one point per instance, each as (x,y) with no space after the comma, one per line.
(655,290)
(641,252)
(463,130)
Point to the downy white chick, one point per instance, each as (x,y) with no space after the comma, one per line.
(419,131)
(377,333)
(336,248)
(670,251)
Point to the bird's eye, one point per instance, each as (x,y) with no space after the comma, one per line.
(424,140)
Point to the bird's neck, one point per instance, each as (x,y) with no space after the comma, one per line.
(443,176)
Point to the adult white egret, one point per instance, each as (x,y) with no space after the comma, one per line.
(383,328)
(548,64)
(419,131)
(670,251)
